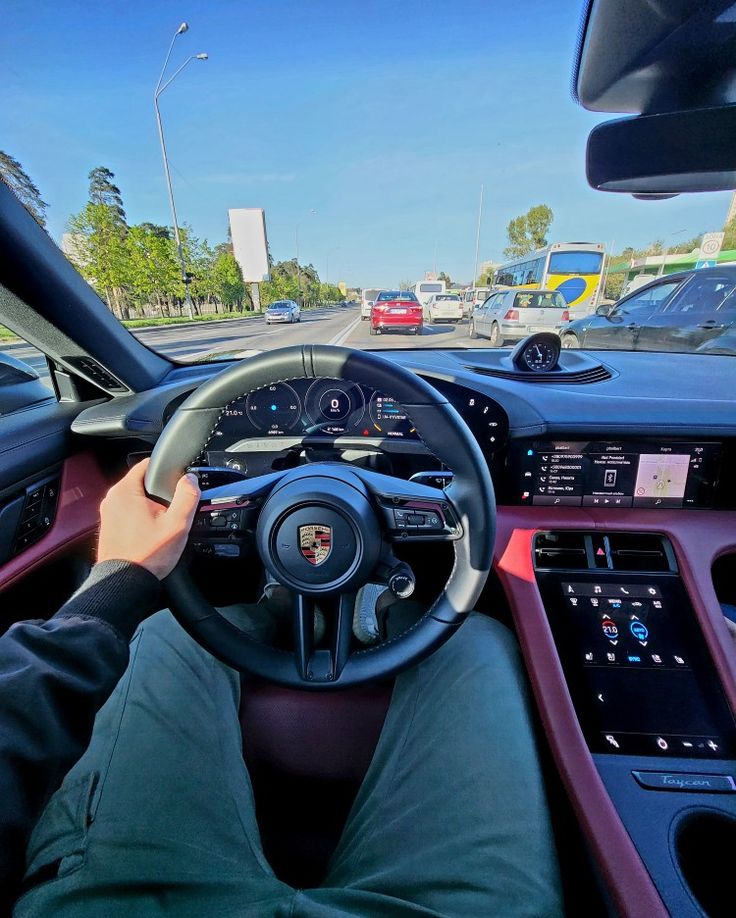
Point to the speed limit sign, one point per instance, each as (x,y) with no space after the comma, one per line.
(711,244)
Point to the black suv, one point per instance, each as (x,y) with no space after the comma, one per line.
(687,311)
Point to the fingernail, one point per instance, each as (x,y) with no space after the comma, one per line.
(193,480)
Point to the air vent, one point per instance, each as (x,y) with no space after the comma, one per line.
(572,378)
(96,373)
(629,552)
(633,551)
(560,551)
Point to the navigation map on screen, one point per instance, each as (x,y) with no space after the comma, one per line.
(662,476)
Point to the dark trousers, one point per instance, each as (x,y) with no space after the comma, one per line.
(157,818)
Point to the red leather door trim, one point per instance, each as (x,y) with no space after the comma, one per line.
(83,485)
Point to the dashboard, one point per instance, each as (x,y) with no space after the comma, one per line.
(607,422)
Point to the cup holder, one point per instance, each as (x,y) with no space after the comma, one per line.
(704,847)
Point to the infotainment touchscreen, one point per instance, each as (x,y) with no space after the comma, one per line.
(612,474)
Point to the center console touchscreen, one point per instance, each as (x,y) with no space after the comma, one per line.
(611,474)
(637,670)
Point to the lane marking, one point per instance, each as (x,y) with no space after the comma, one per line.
(343,335)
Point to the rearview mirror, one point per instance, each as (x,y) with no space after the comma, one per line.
(664,154)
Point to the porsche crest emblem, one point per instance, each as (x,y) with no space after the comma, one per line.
(315,543)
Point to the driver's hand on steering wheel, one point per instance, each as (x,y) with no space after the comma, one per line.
(135,528)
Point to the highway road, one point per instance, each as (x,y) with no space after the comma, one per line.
(237,337)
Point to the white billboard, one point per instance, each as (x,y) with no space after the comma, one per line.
(250,246)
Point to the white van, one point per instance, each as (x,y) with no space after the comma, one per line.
(473,297)
(423,290)
(367,298)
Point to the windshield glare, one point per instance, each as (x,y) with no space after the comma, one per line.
(331,185)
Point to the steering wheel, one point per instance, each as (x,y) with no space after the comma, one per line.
(324,529)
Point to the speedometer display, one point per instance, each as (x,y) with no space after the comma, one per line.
(334,406)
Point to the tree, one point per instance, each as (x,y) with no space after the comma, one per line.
(684,248)
(100,253)
(729,239)
(228,280)
(153,271)
(329,293)
(103,190)
(443,276)
(19,182)
(528,231)
(405,284)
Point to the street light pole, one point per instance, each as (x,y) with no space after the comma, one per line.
(156,93)
(477,237)
(667,251)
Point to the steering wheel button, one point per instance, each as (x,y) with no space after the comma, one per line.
(218,521)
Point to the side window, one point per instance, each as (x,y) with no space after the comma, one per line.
(727,309)
(701,295)
(647,300)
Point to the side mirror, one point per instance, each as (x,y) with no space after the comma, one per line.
(20,385)
(603,310)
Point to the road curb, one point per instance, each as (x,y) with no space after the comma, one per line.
(19,342)
(208,322)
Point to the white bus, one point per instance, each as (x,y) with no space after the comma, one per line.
(367,299)
(423,290)
(575,269)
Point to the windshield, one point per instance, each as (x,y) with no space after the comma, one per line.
(541,300)
(575,263)
(326,182)
(395,295)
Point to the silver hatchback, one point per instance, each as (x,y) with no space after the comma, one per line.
(283,311)
(513,314)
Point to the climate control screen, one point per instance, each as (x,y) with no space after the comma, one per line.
(638,672)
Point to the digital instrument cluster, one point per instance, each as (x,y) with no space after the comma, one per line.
(614,474)
(333,408)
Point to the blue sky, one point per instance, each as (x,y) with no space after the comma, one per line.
(383,117)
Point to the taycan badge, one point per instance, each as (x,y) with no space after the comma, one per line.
(315,543)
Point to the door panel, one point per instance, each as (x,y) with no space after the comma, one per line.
(49,503)
(621,328)
(82,486)
(34,439)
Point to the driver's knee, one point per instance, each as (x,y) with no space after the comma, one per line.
(480,634)
(481,646)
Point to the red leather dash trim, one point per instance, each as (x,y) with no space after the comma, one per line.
(83,485)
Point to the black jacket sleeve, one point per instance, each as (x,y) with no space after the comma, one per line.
(54,677)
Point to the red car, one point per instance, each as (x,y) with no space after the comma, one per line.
(396,309)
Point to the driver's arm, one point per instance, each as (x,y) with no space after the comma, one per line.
(55,675)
